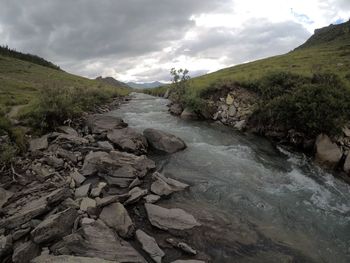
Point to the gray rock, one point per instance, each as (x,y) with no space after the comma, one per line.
(327,152)
(189,114)
(100,123)
(150,245)
(87,221)
(4,196)
(68,130)
(70,203)
(77,177)
(116,217)
(82,191)
(20,233)
(55,226)
(164,141)
(182,245)
(232,111)
(175,109)
(54,161)
(38,144)
(68,259)
(151,199)
(188,261)
(164,186)
(96,191)
(240,125)
(25,252)
(5,245)
(135,183)
(128,140)
(135,195)
(105,145)
(99,241)
(346,131)
(102,202)
(347,164)
(42,172)
(87,203)
(71,139)
(174,218)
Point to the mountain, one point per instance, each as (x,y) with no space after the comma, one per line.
(146,85)
(112,81)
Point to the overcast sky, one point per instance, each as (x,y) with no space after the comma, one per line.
(140,40)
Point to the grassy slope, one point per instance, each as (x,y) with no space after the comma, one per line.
(21,82)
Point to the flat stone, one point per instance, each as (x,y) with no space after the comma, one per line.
(100,123)
(87,203)
(174,218)
(163,141)
(150,245)
(82,191)
(5,245)
(38,144)
(101,202)
(87,221)
(4,196)
(164,186)
(70,203)
(151,199)
(96,191)
(116,217)
(71,139)
(55,226)
(78,177)
(25,252)
(97,240)
(135,183)
(20,233)
(68,130)
(105,145)
(128,140)
(135,195)
(42,172)
(68,259)
(327,152)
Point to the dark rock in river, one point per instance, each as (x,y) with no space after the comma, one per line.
(164,141)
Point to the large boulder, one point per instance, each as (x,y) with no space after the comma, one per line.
(96,240)
(101,123)
(166,219)
(327,152)
(164,141)
(116,217)
(128,140)
(55,226)
(149,244)
(164,186)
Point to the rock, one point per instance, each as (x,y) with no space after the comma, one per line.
(90,138)
(188,114)
(164,141)
(98,240)
(164,186)
(135,195)
(68,130)
(100,123)
(116,217)
(174,218)
(82,191)
(96,191)
(346,131)
(42,172)
(327,152)
(54,161)
(102,202)
(5,245)
(240,125)
(135,183)
(150,245)
(66,155)
(181,245)
(68,259)
(77,177)
(70,139)
(4,196)
(128,140)
(188,261)
(55,226)
(175,109)
(232,111)
(167,93)
(38,144)
(151,199)
(87,221)
(25,252)
(229,99)
(87,203)
(105,145)
(117,168)
(347,164)
(20,233)
(70,203)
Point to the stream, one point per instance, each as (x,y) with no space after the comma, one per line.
(256,202)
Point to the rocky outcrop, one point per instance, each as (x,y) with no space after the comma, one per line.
(128,140)
(163,141)
(174,218)
(327,152)
(150,245)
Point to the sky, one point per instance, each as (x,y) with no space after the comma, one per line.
(141,40)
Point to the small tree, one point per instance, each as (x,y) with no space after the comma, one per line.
(179,80)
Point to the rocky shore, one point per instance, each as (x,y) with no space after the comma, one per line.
(89,194)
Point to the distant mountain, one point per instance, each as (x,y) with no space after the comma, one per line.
(112,81)
(146,85)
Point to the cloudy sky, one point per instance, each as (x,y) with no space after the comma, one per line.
(140,40)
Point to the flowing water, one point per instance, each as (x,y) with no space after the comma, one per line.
(257,203)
